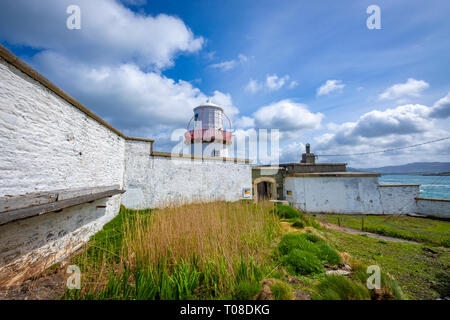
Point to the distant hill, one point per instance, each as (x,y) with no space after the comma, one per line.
(410,168)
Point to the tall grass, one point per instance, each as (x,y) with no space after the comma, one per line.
(201,250)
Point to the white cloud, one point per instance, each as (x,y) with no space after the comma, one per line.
(441,109)
(253,86)
(110,33)
(133,100)
(244,122)
(272,83)
(293,84)
(289,117)
(397,127)
(230,64)
(225,65)
(330,86)
(292,152)
(242,58)
(411,88)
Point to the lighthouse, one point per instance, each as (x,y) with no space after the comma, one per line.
(206,134)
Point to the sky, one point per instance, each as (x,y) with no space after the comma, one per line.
(312,70)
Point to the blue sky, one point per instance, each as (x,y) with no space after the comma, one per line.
(143,65)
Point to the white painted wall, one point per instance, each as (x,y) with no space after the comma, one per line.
(399,199)
(47,144)
(434,207)
(345,195)
(30,245)
(154,181)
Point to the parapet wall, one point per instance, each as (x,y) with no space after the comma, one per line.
(159,179)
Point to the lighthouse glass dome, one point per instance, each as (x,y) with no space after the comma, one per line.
(208,116)
(206,133)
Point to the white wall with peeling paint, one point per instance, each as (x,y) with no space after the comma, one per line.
(399,199)
(434,207)
(334,194)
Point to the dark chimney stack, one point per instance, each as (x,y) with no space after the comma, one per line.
(308,157)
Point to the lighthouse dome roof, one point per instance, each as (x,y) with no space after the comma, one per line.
(209,103)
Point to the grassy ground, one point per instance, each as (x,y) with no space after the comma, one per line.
(404,227)
(422,271)
(241,250)
(197,251)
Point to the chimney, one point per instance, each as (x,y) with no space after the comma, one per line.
(308,157)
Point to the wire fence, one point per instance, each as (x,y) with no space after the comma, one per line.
(366,219)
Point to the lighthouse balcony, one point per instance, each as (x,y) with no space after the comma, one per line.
(208,135)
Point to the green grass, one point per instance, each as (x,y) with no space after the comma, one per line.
(306,242)
(418,271)
(281,290)
(298,223)
(285,211)
(301,262)
(335,287)
(246,290)
(404,227)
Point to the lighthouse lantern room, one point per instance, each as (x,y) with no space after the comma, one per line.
(206,134)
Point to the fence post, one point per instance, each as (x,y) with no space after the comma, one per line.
(362,223)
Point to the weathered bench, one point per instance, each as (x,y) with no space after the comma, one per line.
(36,203)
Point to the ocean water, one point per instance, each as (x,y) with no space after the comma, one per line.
(430,186)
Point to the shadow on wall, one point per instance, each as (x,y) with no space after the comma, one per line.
(30,245)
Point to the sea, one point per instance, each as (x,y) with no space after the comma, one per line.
(430,186)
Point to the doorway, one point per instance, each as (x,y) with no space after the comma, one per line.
(264,188)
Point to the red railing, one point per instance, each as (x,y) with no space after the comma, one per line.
(208,135)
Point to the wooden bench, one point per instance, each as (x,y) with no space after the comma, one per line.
(36,203)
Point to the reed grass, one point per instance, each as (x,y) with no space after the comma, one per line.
(188,251)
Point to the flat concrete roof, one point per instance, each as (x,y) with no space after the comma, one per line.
(333,175)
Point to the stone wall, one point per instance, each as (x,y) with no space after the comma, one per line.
(399,198)
(155,181)
(273,174)
(46,144)
(434,207)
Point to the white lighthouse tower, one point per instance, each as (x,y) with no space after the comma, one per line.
(207,136)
